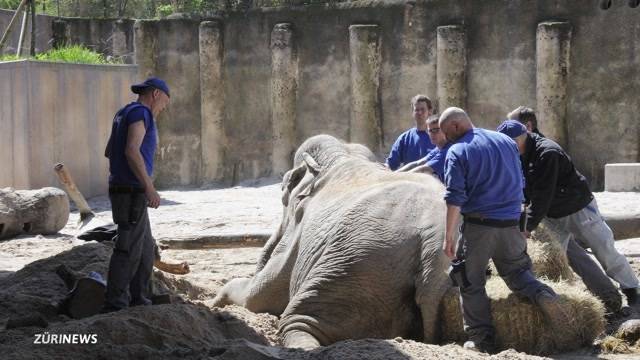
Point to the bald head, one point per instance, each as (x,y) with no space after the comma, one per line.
(454,122)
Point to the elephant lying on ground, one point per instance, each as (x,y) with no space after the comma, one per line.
(358,253)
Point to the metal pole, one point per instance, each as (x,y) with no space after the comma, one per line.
(5,36)
(33,28)
(22,30)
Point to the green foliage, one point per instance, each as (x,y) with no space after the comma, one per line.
(74,54)
(8,57)
(164,10)
(9,4)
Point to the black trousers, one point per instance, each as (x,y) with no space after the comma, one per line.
(131,263)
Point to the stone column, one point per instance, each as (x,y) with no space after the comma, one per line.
(365,124)
(212,100)
(451,67)
(119,41)
(552,69)
(61,36)
(284,74)
(145,47)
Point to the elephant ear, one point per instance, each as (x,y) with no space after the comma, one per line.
(303,175)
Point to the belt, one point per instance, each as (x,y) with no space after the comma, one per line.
(492,222)
(125,189)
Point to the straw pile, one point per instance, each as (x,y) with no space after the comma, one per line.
(520,324)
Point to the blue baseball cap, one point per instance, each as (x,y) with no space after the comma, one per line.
(153,82)
(512,128)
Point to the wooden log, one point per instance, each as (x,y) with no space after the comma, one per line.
(70,186)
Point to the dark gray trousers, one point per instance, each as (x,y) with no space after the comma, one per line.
(131,263)
(507,248)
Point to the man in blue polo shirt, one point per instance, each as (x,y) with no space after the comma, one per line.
(484,183)
(130,150)
(413,144)
(433,163)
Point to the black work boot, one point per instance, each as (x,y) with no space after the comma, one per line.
(486,344)
(632,294)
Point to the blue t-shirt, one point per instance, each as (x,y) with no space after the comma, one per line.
(412,145)
(435,160)
(483,175)
(120,172)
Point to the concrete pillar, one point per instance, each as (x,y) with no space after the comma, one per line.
(284,74)
(552,69)
(451,66)
(212,100)
(61,36)
(365,124)
(145,47)
(119,41)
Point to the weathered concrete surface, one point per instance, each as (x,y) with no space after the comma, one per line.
(622,177)
(553,45)
(452,67)
(169,49)
(212,100)
(53,113)
(364,58)
(284,84)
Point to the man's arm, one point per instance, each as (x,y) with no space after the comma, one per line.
(543,188)
(412,165)
(395,155)
(136,162)
(453,217)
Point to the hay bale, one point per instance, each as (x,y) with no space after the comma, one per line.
(549,260)
(520,325)
(614,345)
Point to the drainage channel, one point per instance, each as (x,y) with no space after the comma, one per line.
(215,241)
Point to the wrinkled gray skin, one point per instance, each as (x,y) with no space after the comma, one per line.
(358,253)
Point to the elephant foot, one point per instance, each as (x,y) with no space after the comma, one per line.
(300,339)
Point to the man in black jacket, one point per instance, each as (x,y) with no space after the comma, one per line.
(558,193)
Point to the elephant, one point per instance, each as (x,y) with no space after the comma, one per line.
(358,253)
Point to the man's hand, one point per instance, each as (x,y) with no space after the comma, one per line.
(449,246)
(153,197)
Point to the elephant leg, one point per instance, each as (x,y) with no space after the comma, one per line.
(300,339)
(233,292)
(431,285)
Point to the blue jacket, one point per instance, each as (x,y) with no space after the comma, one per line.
(412,145)
(483,175)
(120,172)
(436,159)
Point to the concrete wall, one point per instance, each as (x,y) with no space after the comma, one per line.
(111,37)
(54,113)
(44,33)
(600,94)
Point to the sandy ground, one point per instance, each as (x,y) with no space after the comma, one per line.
(255,208)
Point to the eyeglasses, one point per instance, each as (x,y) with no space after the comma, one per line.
(434,130)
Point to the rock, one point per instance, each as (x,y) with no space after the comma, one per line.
(44,211)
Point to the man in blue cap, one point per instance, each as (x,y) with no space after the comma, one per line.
(483,180)
(559,194)
(130,150)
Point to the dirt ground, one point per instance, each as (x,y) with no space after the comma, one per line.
(256,208)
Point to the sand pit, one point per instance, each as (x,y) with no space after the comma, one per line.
(195,329)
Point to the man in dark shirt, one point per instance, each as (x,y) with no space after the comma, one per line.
(558,193)
(484,181)
(413,144)
(527,117)
(130,150)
